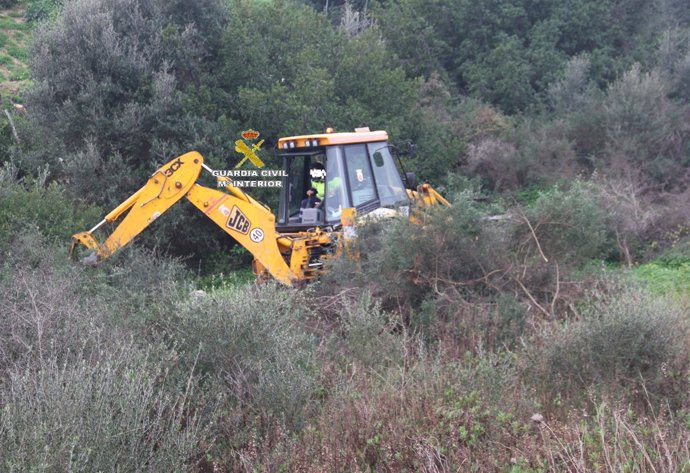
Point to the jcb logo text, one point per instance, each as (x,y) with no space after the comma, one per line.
(238,221)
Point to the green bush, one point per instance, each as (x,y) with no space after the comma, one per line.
(114,410)
(368,336)
(571,225)
(254,340)
(403,260)
(132,67)
(41,312)
(640,117)
(40,10)
(474,250)
(449,322)
(30,203)
(630,340)
(52,306)
(74,394)
(665,279)
(135,289)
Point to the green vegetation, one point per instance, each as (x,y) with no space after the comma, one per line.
(669,271)
(632,340)
(41,10)
(14,56)
(18,73)
(539,324)
(22,206)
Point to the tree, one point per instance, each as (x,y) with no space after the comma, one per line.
(288,70)
(508,52)
(114,77)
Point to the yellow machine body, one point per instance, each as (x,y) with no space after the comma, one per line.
(290,257)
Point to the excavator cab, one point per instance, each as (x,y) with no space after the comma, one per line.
(348,170)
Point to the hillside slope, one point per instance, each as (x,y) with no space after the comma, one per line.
(14,44)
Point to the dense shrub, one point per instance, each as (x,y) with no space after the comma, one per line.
(428,414)
(42,314)
(476,249)
(76,393)
(367,336)
(629,340)
(496,163)
(632,129)
(31,203)
(254,340)
(571,225)
(509,53)
(53,307)
(110,410)
(40,10)
(449,244)
(644,127)
(113,78)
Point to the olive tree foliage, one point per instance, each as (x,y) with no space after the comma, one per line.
(112,79)
(120,84)
(509,52)
(287,69)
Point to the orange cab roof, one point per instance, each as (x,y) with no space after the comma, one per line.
(326,139)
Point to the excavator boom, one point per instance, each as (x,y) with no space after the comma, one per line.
(248,221)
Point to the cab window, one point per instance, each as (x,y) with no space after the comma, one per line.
(298,178)
(360,176)
(336,192)
(389,185)
(303,172)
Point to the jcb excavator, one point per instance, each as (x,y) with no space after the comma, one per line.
(347,175)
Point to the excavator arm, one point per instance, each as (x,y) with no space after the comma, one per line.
(248,221)
(164,188)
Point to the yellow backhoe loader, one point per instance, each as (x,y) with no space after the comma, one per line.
(348,175)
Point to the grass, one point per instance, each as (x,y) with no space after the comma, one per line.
(662,279)
(14,44)
(226,283)
(18,52)
(19,74)
(8,22)
(669,273)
